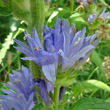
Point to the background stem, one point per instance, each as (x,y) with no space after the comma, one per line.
(71,7)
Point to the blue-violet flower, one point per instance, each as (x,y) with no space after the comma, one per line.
(20,93)
(36,52)
(103,16)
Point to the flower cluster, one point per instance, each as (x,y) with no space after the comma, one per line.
(20,93)
(62,46)
(103,16)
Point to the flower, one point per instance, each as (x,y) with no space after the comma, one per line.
(91,18)
(36,52)
(105,15)
(73,48)
(44,91)
(21,91)
(45,88)
(102,16)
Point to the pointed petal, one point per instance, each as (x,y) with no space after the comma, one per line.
(49,72)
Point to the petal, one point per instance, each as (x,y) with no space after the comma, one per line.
(49,72)
(91,18)
(22,44)
(36,37)
(44,92)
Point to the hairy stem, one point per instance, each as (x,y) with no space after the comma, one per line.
(37,21)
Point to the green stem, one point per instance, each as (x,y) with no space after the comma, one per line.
(71,7)
(56,97)
(37,21)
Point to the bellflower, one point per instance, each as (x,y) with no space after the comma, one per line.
(74,48)
(21,91)
(103,16)
(44,91)
(36,52)
(54,38)
(45,88)
(91,18)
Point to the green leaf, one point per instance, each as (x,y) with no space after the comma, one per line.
(8,41)
(91,104)
(38,106)
(97,60)
(95,84)
(103,2)
(4,11)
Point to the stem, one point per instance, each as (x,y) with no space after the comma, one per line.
(71,7)
(56,97)
(37,21)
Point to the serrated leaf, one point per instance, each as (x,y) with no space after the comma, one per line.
(91,104)
(8,41)
(95,84)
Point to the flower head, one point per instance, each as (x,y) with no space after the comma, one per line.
(35,51)
(74,48)
(21,91)
(44,91)
(91,18)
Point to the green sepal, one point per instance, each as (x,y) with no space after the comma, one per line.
(64,79)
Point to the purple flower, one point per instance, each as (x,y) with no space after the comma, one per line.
(74,48)
(91,18)
(35,51)
(103,15)
(45,88)
(21,91)
(44,92)
(77,50)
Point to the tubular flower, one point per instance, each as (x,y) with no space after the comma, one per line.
(44,91)
(91,18)
(36,52)
(62,92)
(102,16)
(74,48)
(20,93)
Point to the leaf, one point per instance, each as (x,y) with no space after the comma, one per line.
(97,60)
(95,84)
(38,106)
(8,41)
(91,104)
(103,2)
(5,7)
